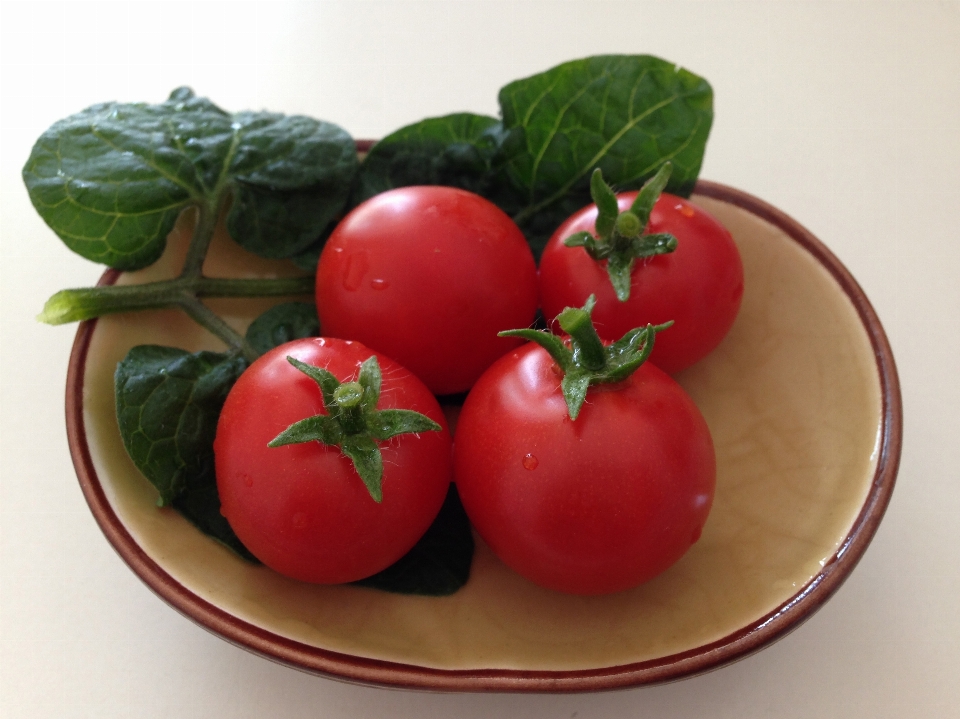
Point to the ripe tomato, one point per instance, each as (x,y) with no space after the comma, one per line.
(590,506)
(302,509)
(699,285)
(428,276)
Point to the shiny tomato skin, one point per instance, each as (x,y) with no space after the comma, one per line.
(429,276)
(591,506)
(302,509)
(699,286)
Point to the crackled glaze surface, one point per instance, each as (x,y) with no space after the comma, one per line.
(792,398)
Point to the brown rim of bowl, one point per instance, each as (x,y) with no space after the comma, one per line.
(345,667)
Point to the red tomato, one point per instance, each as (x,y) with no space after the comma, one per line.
(302,509)
(428,276)
(591,506)
(699,286)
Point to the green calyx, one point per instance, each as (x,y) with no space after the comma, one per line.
(584,359)
(353,423)
(620,239)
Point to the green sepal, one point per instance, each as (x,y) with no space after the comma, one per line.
(352,422)
(574,388)
(370,379)
(367,460)
(554,346)
(584,359)
(632,350)
(580,239)
(619,270)
(321,428)
(391,422)
(606,201)
(660,243)
(325,380)
(620,247)
(647,197)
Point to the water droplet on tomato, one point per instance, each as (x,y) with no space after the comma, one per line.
(379,284)
(299,520)
(685,210)
(357,265)
(530,461)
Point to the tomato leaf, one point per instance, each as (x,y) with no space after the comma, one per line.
(439,564)
(111,180)
(283,323)
(626,114)
(200,505)
(168,403)
(458,150)
(292,177)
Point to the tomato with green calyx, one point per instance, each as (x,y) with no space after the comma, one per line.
(583,467)
(331,460)
(648,257)
(429,276)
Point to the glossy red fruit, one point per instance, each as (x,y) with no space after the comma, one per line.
(699,285)
(302,509)
(590,506)
(429,276)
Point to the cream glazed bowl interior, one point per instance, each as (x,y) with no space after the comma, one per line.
(803,402)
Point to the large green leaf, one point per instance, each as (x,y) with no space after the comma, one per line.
(293,177)
(168,405)
(200,505)
(626,114)
(112,179)
(283,323)
(457,150)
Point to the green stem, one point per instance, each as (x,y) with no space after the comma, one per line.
(207,214)
(89,302)
(348,398)
(230,287)
(207,318)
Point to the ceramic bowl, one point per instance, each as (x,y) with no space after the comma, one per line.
(804,405)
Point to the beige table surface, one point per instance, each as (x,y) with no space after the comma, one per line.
(844,114)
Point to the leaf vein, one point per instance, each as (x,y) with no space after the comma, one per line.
(148,161)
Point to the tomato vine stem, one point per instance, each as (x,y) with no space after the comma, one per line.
(184,291)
